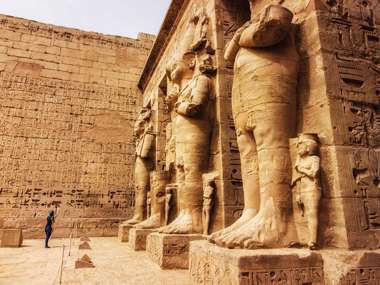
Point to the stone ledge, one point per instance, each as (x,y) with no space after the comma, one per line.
(210,264)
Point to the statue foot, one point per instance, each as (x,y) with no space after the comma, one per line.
(263,231)
(133,221)
(183,224)
(247,215)
(151,223)
(312,246)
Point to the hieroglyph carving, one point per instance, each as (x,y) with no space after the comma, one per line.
(263,110)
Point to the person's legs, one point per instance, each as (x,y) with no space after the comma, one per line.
(48,232)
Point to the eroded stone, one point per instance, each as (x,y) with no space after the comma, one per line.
(11,238)
(170,251)
(123,234)
(138,238)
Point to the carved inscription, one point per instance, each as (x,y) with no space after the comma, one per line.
(69,35)
(362,276)
(293,276)
(366,173)
(174,249)
(61,144)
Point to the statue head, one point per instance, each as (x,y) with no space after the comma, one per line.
(143,117)
(160,196)
(206,64)
(148,197)
(180,68)
(308,144)
(169,190)
(209,190)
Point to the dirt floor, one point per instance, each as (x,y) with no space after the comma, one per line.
(115,263)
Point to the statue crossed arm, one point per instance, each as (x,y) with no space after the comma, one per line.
(198,97)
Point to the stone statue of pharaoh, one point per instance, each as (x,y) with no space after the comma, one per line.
(306,186)
(143,132)
(192,132)
(208,203)
(263,105)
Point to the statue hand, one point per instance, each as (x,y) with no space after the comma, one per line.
(181,108)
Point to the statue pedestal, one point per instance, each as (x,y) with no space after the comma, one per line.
(123,233)
(170,251)
(137,238)
(11,238)
(210,264)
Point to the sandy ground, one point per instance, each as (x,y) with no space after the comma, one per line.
(115,263)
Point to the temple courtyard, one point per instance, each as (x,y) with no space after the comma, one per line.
(115,263)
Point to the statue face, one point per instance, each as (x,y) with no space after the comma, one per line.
(177,70)
(208,192)
(303,147)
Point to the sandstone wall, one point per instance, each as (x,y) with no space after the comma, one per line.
(67,108)
(350,39)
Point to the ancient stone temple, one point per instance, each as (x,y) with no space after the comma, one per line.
(265,117)
(247,149)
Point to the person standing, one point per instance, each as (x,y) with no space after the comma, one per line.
(49,227)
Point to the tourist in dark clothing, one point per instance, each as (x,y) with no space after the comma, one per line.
(49,227)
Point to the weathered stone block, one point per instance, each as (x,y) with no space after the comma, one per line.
(11,238)
(170,251)
(345,267)
(210,264)
(137,238)
(123,233)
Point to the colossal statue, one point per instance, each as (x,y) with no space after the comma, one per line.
(143,132)
(263,102)
(192,132)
